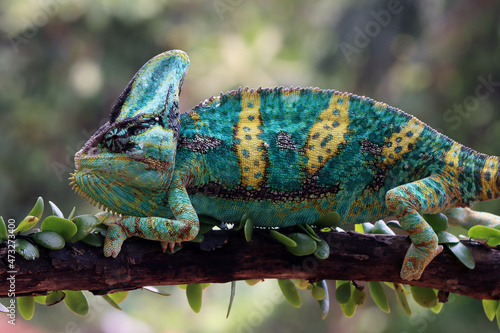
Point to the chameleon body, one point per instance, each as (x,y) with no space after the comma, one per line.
(283,156)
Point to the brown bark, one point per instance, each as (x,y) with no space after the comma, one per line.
(353,256)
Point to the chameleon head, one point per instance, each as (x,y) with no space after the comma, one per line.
(128,163)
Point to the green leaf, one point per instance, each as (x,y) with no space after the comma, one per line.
(367,227)
(317,292)
(40,299)
(55,210)
(438,222)
(324,304)
(348,308)
(394,224)
(493,241)
(243,221)
(3,230)
(119,296)
(445,237)
(111,302)
(248,229)
(290,292)
(283,239)
(403,302)
(301,283)
(26,249)
(76,301)
(62,226)
(343,292)
(482,232)
(194,293)
(492,235)
(305,244)
(438,307)
(37,210)
(309,231)
(49,239)
(27,223)
(72,213)
(379,297)
(94,240)
(253,282)
(425,297)
(358,296)
(328,220)
(26,306)
(231,298)
(381,228)
(490,308)
(322,250)
(84,225)
(463,254)
(498,317)
(54,297)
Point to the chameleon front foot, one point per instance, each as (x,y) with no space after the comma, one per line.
(416,260)
(169,232)
(114,240)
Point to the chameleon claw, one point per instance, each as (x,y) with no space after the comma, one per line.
(168,245)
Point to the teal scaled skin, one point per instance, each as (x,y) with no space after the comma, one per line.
(283,156)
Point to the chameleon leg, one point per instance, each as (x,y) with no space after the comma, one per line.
(467,218)
(184,228)
(429,195)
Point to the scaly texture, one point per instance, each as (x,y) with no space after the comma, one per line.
(283,156)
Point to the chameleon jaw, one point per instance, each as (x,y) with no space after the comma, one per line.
(78,190)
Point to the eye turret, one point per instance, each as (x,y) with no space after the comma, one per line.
(118,139)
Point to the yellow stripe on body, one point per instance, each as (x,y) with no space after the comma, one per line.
(489,174)
(401,143)
(249,147)
(452,158)
(327,133)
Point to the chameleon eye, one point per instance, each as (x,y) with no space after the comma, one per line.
(117,140)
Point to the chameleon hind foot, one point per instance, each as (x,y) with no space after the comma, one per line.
(408,202)
(416,260)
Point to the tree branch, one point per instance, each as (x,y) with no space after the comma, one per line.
(353,256)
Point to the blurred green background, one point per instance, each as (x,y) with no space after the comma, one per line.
(63,63)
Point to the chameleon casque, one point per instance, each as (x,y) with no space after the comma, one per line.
(283,156)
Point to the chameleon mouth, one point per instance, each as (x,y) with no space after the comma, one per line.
(78,190)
